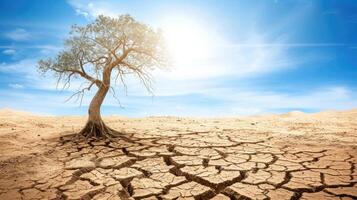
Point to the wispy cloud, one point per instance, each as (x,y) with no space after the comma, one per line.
(81,12)
(18,34)
(16,86)
(25,67)
(222,103)
(9,51)
(244,101)
(91,9)
(244,60)
(27,75)
(185,98)
(50,48)
(83,8)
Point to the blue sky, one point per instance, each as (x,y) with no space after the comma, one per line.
(244,58)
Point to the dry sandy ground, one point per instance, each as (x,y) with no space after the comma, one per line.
(290,156)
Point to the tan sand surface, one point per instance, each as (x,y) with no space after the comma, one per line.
(289,156)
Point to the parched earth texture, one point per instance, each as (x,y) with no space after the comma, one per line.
(180,158)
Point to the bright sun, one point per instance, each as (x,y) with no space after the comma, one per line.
(187,41)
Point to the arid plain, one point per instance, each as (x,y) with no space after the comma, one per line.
(288,156)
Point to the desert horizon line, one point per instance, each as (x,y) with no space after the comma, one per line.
(15,110)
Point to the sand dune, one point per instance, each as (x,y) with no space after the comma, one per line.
(290,156)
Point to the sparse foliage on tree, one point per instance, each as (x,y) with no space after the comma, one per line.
(104,53)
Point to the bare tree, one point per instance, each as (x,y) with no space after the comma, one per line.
(106,51)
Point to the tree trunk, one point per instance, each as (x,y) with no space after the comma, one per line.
(96,103)
(95,126)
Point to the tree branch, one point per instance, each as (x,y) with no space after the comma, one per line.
(80,93)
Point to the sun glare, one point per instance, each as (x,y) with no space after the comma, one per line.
(187,40)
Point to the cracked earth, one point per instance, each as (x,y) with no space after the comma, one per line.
(291,156)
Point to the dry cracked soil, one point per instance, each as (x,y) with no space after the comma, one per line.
(290,156)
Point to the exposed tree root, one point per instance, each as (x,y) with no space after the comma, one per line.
(98,130)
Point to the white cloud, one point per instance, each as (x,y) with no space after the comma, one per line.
(91,9)
(246,101)
(80,12)
(18,34)
(207,99)
(36,103)
(25,66)
(16,86)
(239,102)
(26,72)
(49,48)
(28,76)
(177,97)
(9,51)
